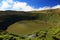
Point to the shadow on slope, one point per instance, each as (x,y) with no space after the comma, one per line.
(7,20)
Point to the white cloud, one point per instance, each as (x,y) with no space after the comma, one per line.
(18,5)
(43,8)
(15,5)
(9,1)
(57,6)
(4,5)
(47,7)
(22,6)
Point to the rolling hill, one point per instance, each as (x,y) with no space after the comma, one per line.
(33,25)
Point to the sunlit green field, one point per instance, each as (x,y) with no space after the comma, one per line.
(45,27)
(27,27)
(44,22)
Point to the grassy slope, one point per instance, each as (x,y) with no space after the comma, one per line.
(47,25)
(44,21)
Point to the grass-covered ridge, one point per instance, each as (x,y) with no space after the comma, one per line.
(40,25)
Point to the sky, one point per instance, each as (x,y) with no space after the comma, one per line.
(29,5)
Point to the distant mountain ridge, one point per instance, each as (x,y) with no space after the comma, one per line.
(49,10)
(41,11)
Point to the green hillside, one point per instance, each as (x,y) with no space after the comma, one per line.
(37,25)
